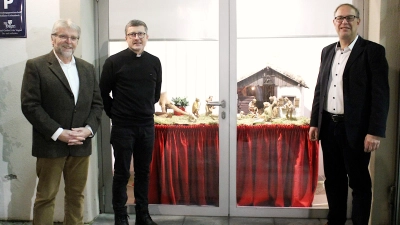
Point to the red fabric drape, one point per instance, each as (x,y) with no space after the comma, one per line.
(187,169)
(276,165)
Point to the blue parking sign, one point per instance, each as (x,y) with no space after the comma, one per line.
(12,19)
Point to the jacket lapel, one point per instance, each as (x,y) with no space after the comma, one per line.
(82,78)
(55,67)
(330,56)
(355,52)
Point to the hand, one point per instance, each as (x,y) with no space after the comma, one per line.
(82,132)
(313,134)
(371,143)
(71,137)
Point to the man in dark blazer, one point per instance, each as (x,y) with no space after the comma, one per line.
(60,97)
(349,112)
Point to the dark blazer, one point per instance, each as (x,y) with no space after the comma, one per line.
(48,103)
(365,90)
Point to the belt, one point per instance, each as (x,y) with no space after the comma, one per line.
(335,117)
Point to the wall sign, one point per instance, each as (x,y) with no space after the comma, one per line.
(12,19)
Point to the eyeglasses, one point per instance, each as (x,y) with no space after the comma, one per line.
(65,37)
(350,18)
(139,35)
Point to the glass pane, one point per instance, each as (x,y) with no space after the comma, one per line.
(168,19)
(186,159)
(277,66)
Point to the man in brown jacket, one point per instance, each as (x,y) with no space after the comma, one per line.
(60,97)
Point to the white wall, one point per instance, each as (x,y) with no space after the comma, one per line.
(17,195)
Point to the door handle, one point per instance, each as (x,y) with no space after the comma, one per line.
(217,103)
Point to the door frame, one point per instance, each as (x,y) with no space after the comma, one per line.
(396,195)
(105,153)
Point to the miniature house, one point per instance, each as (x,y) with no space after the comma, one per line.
(268,82)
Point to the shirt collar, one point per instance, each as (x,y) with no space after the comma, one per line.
(350,47)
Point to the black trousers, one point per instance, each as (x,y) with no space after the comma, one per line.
(127,142)
(345,167)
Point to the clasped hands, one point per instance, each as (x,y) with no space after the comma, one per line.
(75,136)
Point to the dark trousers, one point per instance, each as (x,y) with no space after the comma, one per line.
(345,166)
(127,142)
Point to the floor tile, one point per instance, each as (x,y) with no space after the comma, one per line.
(108,219)
(250,221)
(203,220)
(168,220)
(285,221)
(15,223)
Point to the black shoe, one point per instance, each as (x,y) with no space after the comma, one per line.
(121,220)
(143,218)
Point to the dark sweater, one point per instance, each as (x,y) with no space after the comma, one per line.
(135,83)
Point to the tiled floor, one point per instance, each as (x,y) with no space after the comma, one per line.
(108,219)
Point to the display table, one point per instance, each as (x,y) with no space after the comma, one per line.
(276,165)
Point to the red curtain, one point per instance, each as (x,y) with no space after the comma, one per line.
(185,166)
(276,165)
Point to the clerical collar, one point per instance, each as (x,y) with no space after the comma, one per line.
(136,55)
